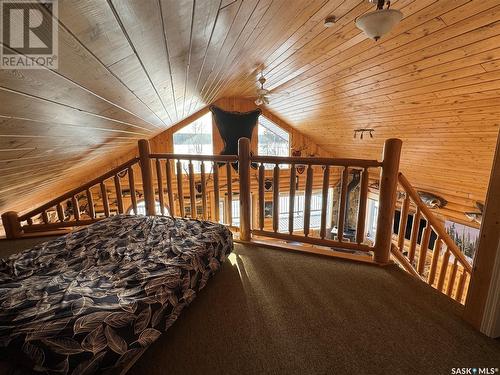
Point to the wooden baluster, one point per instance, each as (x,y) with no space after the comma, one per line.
(159,180)
(104,196)
(461,285)
(435,257)
(363,201)
(261,196)
(229,205)
(118,190)
(90,204)
(307,198)
(403,221)
(131,183)
(244,185)
(451,280)
(291,200)
(192,194)
(60,212)
(414,235)
(76,207)
(387,199)
(276,197)
(343,202)
(424,245)
(180,194)
(216,193)
(171,202)
(443,269)
(29,220)
(324,200)
(203,191)
(147,177)
(45,217)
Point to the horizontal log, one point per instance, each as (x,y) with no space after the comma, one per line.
(313,240)
(54,226)
(220,158)
(362,163)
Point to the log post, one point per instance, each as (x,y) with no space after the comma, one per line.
(147,177)
(387,199)
(11,224)
(245,199)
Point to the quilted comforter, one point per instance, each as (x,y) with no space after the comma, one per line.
(96,298)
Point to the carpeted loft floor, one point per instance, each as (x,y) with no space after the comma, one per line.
(279,312)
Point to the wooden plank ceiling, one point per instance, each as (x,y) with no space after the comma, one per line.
(129,69)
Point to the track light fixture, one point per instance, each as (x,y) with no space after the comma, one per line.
(362,131)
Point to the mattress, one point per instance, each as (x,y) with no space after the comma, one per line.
(96,298)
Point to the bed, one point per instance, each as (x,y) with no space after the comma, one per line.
(95,299)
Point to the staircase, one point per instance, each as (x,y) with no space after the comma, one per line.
(444,267)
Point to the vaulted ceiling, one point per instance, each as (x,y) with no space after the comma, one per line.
(129,69)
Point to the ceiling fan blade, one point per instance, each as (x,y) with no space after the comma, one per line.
(278,94)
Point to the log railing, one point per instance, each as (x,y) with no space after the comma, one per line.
(78,206)
(444,267)
(207,186)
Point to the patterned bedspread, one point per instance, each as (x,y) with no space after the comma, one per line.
(96,298)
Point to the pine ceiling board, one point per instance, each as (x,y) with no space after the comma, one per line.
(266,31)
(92,22)
(306,25)
(411,78)
(238,26)
(206,17)
(94,26)
(45,84)
(24,106)
(375,61)
(183,25)
(141,23)
(78,64)
(250,28)
(225,19)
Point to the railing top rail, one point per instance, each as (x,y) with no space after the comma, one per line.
(220,158)
(79,189)
(362,163)
(435,223)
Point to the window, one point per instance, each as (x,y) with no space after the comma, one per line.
(272,140)
(141,208)
(195,139)
(298,211)
(372,216)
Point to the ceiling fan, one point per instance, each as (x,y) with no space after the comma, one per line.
(264,95)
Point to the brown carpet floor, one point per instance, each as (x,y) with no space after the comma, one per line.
(280,312)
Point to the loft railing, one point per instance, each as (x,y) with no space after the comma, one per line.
(169,184)
(433,267)
(77,207)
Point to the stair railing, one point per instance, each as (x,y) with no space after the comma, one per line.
(445,268)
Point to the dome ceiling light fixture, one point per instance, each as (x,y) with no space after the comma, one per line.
(379,22)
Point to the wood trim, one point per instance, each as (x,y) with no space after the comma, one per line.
(489,244)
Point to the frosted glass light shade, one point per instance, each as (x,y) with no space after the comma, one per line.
(379,22)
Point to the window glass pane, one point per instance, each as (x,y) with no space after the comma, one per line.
(141,209)
(195,139)
(272,140)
